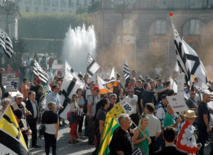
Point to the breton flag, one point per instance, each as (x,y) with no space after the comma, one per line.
(69,87)
(69,71)
(126,70)
(6,43)
(92,65)
(11,139)
(181,56)
(39,72)
(196,67)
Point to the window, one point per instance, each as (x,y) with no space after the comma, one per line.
(46,2)
(160,27)
(37,2)
(63,3)
(71,3)
(54,3)
(194,27)
(36,9)
(27,9)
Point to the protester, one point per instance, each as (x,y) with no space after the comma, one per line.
(91,108)
(86,78)
(138,91)
(133,101)
(191,103)
(100,119)
(121,142)
(169,134)
(4,103)
(25,88)
(141,137)
(32,106)
(186,140)
(203,121)
(73,117)
(89,90)
(38,89)
(154,126)
(23,125)
(169,119)
(51,122)
(112,100)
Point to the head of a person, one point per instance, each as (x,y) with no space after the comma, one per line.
(79,91)
(118,76)
(169,134)
(170,92)
(86,76)
(112,98)
(25,80)
(131,91)
(190,116)
(105,103)
(167,84)
(124,121)
(32,95)
(18,113)
(5,102)
(147,87)
(192,94)
(138,83)
(96,91)
(7,95)
(132,81)
(149,108)
(58,82)
(144,121)
(51,106)
(159,82)
(55,89)
(38,81)
(19,98)
(152,84)
(206,97)
(104,95)
(133,73)
(2,70)
(170,110)
(91,85)
(164,100)
(74,97)
(59,73)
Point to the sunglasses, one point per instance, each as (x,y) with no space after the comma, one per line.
(97,91)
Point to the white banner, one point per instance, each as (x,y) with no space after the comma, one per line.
(177,102)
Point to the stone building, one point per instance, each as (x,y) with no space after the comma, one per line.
(145,25)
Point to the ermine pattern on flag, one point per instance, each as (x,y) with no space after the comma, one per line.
(6,43)
(39,72)
(181,56)
(92,65)
(126,70)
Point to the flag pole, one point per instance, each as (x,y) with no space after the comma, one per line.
(171,16)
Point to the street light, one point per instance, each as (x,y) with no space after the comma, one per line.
(9,7)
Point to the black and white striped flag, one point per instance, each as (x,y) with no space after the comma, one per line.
(39,72)
(6,43)
(92,66)
(126,70)
(137,151)
(181,56)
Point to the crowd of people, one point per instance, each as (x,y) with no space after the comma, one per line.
(156,128)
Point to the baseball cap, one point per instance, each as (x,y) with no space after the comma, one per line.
(96,88)
(38,80)
(19,96)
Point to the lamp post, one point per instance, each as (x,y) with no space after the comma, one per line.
(9,7)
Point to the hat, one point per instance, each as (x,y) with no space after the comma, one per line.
(38,80)
(18,113)
(96,88)
(163,96)
(19,96)
(190,114)
(58,71)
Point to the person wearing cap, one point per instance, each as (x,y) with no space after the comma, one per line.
(59,73)
(19,104)
(38,89)
(186,140)
(23,125)
(132,99)
(91,109)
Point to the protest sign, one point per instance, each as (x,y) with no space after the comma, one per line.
(177,102)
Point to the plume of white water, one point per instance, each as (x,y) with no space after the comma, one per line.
(78,43)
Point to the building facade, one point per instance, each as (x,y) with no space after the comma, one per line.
(49,6)
(145,25)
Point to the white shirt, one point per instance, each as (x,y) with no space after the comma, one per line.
(88,93)
(154,125)
(50,129)
(34,109)
(133,101)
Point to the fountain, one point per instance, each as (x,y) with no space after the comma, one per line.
(78,43)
